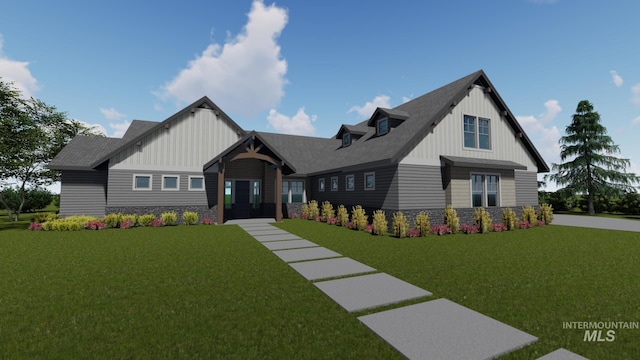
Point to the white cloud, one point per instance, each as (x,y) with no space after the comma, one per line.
(406,99)
(370,106)
(552,111)
(299,124)
(119,128)
(112,114)
(635,121)
(617,79)
(544,136)
(19,73)
(97,127)
(635,90)
(246,75)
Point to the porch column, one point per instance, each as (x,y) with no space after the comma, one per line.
(279,193)
(220,216)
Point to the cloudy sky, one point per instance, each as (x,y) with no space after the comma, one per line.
(304,67)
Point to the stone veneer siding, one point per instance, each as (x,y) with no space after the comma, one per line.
(203,211)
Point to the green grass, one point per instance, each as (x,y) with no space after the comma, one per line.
(531,279)
(165,293)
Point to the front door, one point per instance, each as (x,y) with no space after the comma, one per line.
(242,207)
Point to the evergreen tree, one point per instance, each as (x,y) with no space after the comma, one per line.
(589,166)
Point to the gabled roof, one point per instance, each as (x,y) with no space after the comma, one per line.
(391,113)
(352,129)
(83,151)
(137,128)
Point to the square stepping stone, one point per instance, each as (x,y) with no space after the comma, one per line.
(562,354)
(277,237)
(369,291)
(322,269)
(288,244)
(261,232)
(258,227)
(442,329)
(305,254)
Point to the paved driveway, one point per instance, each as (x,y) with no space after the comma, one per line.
(596,222)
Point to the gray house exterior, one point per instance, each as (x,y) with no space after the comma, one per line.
(458,145)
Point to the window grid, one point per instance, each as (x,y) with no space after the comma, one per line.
(477,132)
(485,190)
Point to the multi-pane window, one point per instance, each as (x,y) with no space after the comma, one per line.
(350,182)
(477,132)
(484,190)
(382,126)
(196,183)
(292,191)
(256,194)
(141,182)
(370,181)
(285,192)
(170,182)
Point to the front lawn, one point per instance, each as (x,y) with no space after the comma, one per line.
(174,292)
(532,279)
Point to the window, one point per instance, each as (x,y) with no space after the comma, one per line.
(256,194)
(346,139)
(227,194)
(321,184)
(382,126)
(350,182)
(170,182)
(141,182)
(334,183)
(370,181)
(196,183)
(484,190)
(293,191)
(477,132)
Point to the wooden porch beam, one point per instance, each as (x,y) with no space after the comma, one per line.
(220,216)
(279,193)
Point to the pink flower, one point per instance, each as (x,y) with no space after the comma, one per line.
(414,232)
(304,216)
(469,229)
(369,228)
(524,225)
(207,221)
(318,218)
(157,223)
(95,225)
(350,224)
(541,223)
(35,226)
(440,229)
(126,224)
(293,216)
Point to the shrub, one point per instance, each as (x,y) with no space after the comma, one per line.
(318,218)
(451,219)
(529,215)
(169,218)
(314,212)
(35,226)
(524,224)
(379,226)
(293,216)
(131,218)
(468,229)
(400,225)
(146,220)
(189,218)
(113,220)
(482,220)
(545,213)
(350,225)
(414,232)
(43,216)
(125,224)
(359,218)
(440,229)
(95,225)
(327,211)
(207,221)
(369,228)
(157,223)
(342,216)
(541,223)
(71,223)
(498,227)
(422,223)
(509,219)
(332,221)
(304,211)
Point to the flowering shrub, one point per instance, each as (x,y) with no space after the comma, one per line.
(35,226)
(413,232)
(132,218)
(189,218)
(541,223)
(332,221)
(71,223)
(41,217)
(314,212)
(422,223)
(469,229)
(169,218)
(509,219)
(342,216)
(113,220)
(400,225)
(146,220)
(304,211)
(369,228)
(524,224)
(451,219)
(359,218)
(440,229)
(482,219)
(207,221)
(157,223)
(545,213)
(304,216)
(498,228)
(318,218)
(95,225)
(126,224)
(529,215)
(327,211)
(379,222)
(350,225)
(293,216)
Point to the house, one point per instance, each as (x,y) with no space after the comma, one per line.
(459,144)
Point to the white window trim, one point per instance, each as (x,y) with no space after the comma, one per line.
(484,188)
(337,184)
(476,133)
(196,189)
(142,189)
(346,182)
(290,190)
(177,188)
(378,126)
(365,181)
(324,185)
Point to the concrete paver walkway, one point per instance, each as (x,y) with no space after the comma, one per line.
(437,329)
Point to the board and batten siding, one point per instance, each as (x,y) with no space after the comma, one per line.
(83,193)
(190,140)
(385,195)
(459,187)
(526,188)
(120,191)
(420,187)
(446,138)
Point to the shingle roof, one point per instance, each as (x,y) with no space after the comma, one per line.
(83,151)
(137,128)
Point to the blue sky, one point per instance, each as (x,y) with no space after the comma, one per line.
(306,67)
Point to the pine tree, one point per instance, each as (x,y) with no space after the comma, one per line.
(589,166)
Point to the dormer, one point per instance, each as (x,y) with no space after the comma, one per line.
(386,119)
(348,134)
